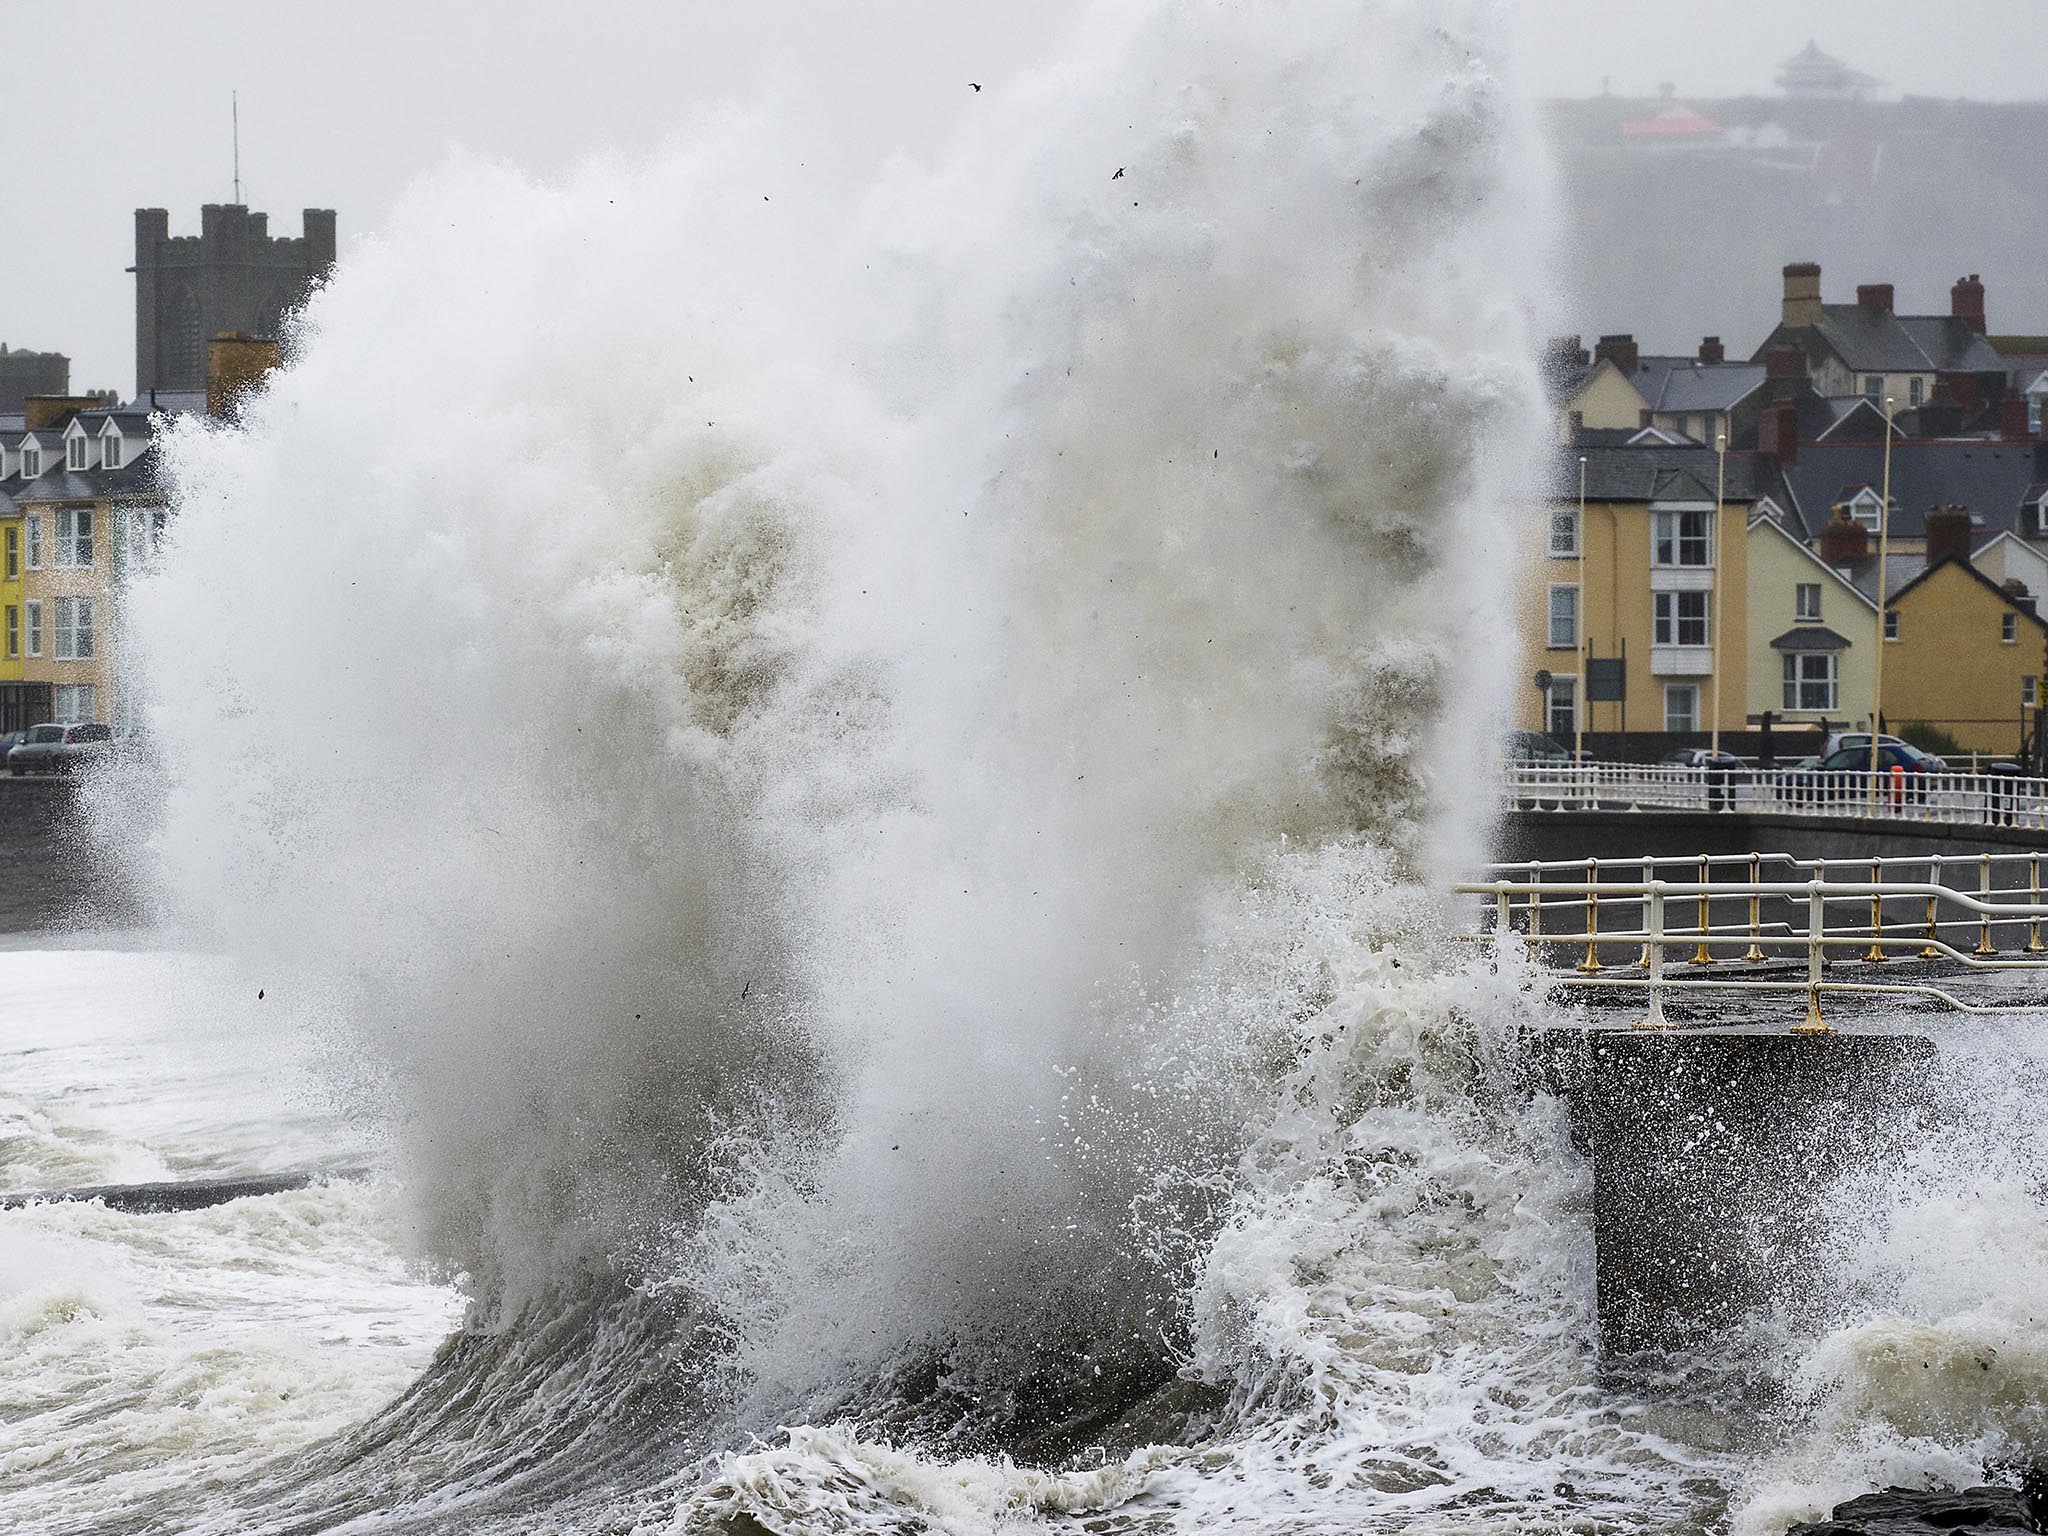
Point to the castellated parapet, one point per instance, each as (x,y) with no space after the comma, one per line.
(233,276)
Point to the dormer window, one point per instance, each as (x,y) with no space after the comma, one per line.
(74,451)
(31,460)
(110,449)
(1863,507)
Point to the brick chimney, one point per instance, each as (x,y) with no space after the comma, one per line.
(1948,533)
(2012,417)
(1777,431)
(1802,295)
(1966,302)
(236,363)
(39,411)
(1876,297)
(1711,350)
(1619,350)
(1843,541)
(1563,355)
(1958,388)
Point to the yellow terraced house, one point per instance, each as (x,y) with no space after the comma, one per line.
(85,508)
(1657,570)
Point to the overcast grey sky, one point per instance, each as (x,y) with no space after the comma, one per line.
(126,105)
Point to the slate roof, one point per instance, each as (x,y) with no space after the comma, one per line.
(1657,472)
(1976,575)
(1876,341)
(137,478)
(1676,384)
(1899,570)
(1810,637)
(1989,478)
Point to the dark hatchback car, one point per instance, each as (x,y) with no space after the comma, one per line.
(1843,775)
(59,748)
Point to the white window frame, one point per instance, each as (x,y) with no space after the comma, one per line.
(1560,705)
(1795,679)
(1669,539)
(1916,389)
(2029,693)
(33,616)
(1552,594)
(1668,625)
(31,460)
(1864,508)
(10,563)
(110,448)
(145,535)
(1691,715)
(1564,520)
(13,631)
(34,524)
(73,703)
(73,638)
(1891,625)
(2009,628)
(1802,611)
(75,453)
(74,539)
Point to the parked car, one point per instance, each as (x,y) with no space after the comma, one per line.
(1861,739)
(1533,747)
(1841,775)
(59,748)
(1702,757)
(9,740)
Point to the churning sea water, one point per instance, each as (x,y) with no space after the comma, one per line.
(848,815)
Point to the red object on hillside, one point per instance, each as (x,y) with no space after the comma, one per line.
(1672,120)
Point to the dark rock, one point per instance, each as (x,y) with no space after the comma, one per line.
(1910,1512)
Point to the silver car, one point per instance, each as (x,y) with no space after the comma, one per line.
(59,748)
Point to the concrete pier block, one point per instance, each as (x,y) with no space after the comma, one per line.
(1712,1152)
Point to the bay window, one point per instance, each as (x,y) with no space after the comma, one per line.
(1681,618)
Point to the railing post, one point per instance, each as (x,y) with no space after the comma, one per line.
(1984,944)
(1702,955)
(1649,874)
(1931,949)
(1756,954)
(1591,964)
(1654,948)
(2034,944)
(1816,926)
(1503,920)
(1875,955)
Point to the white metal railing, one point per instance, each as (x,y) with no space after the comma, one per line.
(1746,917)
(1976,799)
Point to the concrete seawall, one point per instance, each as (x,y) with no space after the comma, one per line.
(46,862)
(1673,834)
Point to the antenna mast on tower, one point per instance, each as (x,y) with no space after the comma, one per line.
(235,113)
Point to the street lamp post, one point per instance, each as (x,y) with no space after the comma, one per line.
(1714,614)
(1582,694)
(1884,531)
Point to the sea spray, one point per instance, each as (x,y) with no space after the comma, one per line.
(873,791)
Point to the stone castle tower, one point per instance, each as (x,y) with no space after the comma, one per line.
(233,276)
